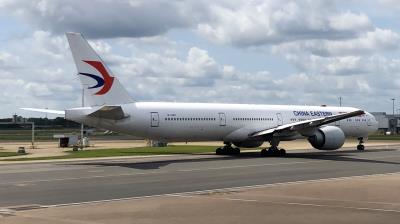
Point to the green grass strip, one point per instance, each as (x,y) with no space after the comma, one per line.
(8,154)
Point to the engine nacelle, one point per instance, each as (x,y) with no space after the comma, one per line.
(248,144)
(327,138)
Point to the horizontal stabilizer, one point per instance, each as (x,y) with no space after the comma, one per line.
(109,112)
(60,112)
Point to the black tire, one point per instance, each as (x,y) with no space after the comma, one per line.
(264,152)
(236,151)
(219,151)
(360,147)
(282,152)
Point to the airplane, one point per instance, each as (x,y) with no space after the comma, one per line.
(110,107)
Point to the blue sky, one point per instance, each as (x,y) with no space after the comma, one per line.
(229,51)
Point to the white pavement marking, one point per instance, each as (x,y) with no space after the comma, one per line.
(342,207)
(22,184)
(296,203)
(331,199)
(95,171)
(182,194)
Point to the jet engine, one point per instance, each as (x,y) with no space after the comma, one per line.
(327,138)
(248,144)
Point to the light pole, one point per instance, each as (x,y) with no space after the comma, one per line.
(393,128)
(340,101)
(33,135)
(393,99)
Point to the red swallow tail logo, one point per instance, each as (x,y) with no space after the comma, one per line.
(106,81)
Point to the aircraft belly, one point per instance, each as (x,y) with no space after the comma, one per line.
(189,133)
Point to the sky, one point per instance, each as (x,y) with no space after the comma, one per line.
(302,52)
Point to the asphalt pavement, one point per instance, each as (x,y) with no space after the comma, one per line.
(26,185)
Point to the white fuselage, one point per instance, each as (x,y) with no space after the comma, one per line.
(216,122)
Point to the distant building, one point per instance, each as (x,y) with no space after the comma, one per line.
(387,122)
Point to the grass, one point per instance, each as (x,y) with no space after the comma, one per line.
(126,152)
(384,137)
(8,154)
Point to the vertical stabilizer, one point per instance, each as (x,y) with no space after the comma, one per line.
(100,85)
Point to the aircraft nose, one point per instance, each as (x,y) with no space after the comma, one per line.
(374,126)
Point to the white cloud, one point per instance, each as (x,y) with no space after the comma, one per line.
(348,21)
(120,18)
(369,42)
(345,66)
(333,50)
(268,22)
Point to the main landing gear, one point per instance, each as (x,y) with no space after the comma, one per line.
(360,146)
(227,150)
(273,150)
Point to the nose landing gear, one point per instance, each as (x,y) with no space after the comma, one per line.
(360,146)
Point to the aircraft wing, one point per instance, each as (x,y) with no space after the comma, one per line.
(307,124)
(109,112)
(60,112)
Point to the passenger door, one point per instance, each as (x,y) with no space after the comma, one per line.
(154,119)
(222,119)
(279,120)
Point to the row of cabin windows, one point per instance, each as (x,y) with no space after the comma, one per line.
(190,119)
(253,119)
(358,120)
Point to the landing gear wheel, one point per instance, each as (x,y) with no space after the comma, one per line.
(273,152)
(227,150)
(264,152)
(236,151)
(360,147)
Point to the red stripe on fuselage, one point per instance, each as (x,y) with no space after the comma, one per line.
(108,80)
